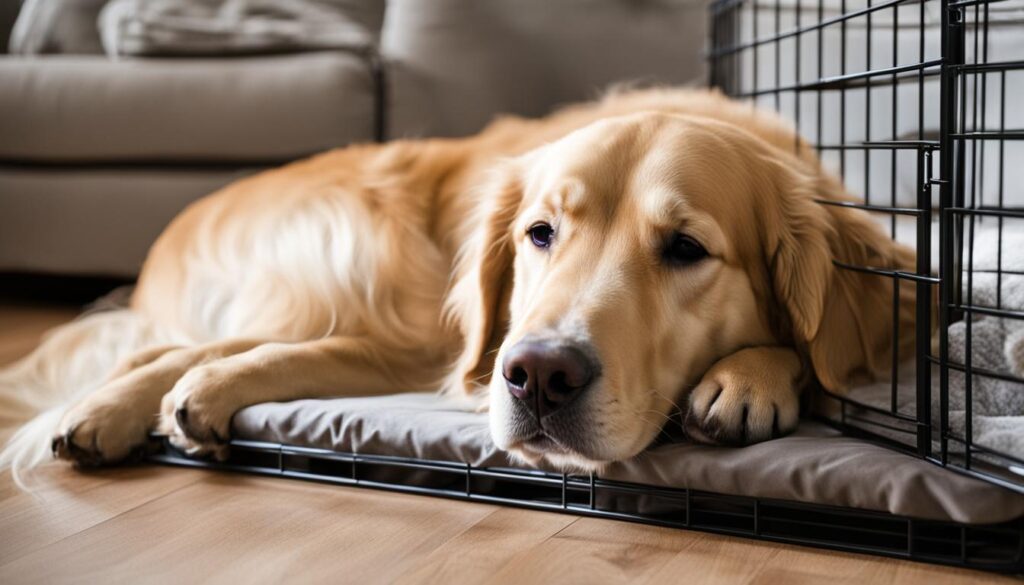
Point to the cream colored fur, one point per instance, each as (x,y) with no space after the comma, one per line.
(387,268)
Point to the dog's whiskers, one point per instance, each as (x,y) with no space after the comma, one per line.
(671,402)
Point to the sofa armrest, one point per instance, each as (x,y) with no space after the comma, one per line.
(84,109)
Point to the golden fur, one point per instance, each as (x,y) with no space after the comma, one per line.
(406,266)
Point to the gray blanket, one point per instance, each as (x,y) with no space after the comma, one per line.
(997,344)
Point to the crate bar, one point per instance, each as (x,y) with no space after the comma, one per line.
(1000,188)
(922,301)
(842,91)
(820,71)
(991,311)
(886,272)
(987,67)
(868,407)
(797,76)
(894,367)
(952,56)
(912,211)
(838,81)
(984,372)
(968,3)
(1004,213)
(990,135)
(755,70)
(894,105)
(923,266)
(881,425)
(883,145)
(868,49)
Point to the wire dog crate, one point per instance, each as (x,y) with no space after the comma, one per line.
(911,103)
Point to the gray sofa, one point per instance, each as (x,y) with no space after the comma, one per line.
(98,154)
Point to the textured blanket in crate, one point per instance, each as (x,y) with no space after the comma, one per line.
(994,278)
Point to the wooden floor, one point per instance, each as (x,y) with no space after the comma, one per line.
(160,524)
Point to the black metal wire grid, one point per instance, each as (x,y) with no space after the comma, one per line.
(993,547)
(985,148)
(907,100)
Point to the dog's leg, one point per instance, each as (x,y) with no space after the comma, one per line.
(112,423)
(749,396)
(139,359)
(197,412)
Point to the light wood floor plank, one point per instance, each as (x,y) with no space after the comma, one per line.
(238,529)
(63,502)
(803,565)
(492,543)
(596,551)
(715,559)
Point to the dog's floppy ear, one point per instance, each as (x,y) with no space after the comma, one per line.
(479,299)
(842,319)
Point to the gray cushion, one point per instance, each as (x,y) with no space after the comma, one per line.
(815,464)
(453,63)
(85,108)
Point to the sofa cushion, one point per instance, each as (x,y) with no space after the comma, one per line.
(453,63)
(66,108)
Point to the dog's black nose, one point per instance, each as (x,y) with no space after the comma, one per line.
(546,375)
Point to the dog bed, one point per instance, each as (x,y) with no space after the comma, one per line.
(814,465)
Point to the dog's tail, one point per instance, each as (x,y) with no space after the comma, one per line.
(73,360)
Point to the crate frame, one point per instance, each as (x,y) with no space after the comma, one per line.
(947,163)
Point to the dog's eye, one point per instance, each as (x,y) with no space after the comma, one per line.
(682,250)
(540,234)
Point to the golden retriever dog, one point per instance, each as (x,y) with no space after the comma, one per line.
(583,276)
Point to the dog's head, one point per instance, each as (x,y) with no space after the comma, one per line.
(613,267)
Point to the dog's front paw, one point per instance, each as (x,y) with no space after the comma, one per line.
(196,414)
(739,402)
(97,433)
(169,427)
